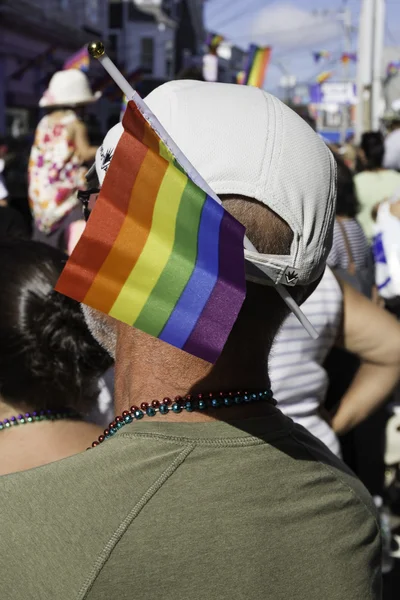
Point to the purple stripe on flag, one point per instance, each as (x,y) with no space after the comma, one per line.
(220,313)
(194,297)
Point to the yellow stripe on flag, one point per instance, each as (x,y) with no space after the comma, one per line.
(255,70)
(150,264)
(166,153)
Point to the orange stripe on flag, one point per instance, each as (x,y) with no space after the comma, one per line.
(132,236)
(264,66)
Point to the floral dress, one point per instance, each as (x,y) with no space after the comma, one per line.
(55,172)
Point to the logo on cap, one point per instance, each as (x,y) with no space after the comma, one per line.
(106,157)
(291,276)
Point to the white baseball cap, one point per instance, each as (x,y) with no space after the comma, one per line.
(244,141)
(68,88)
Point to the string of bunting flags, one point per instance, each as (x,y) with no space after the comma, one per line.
(393,68)
(321,54)
(348,57)
(324,76)
(345,58)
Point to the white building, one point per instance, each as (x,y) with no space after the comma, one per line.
(139,41)
(158,36)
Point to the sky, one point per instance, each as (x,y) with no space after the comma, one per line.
(294,30)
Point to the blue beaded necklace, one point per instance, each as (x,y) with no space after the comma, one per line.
(201,402)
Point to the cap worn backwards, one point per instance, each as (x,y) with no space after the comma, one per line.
(244,141)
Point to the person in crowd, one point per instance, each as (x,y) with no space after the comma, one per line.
(252,504)
(50,365)
(336,312)
(57,161)
(391,158)
(346,319)
(350,255)
(375,183)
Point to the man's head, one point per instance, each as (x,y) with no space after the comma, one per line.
(270,169)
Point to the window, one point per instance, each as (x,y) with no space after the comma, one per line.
(115,15)
(169,58)
(92,11)
(113,40)
(147,53)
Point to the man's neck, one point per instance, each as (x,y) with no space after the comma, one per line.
(147,369)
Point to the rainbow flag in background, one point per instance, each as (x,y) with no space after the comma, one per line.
(324,76)
(213,41)
(158,253)
(257,64)
(79,60)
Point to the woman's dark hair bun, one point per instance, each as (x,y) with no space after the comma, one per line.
(48,357)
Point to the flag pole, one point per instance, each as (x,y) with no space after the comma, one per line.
(97,50)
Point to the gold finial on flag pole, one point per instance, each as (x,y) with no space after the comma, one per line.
(96,49)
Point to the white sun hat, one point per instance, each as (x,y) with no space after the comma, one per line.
(244,141)
(68,88)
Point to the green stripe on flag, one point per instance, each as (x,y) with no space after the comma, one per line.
(180,265)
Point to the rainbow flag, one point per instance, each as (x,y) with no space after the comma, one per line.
(213,41)
(324,76)
(257,64)
(79,60)
(158,252)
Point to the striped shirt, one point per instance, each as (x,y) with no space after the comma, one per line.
(298,378)
(338,257)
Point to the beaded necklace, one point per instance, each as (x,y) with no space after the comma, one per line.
(200,402)
(35,416)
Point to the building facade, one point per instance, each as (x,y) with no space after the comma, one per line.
(156,36)
(36,36)
(139,41)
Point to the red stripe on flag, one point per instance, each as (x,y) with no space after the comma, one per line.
(105,221)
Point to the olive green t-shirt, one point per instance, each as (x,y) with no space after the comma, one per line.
(251,510)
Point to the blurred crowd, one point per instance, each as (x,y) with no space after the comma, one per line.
(342,387)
